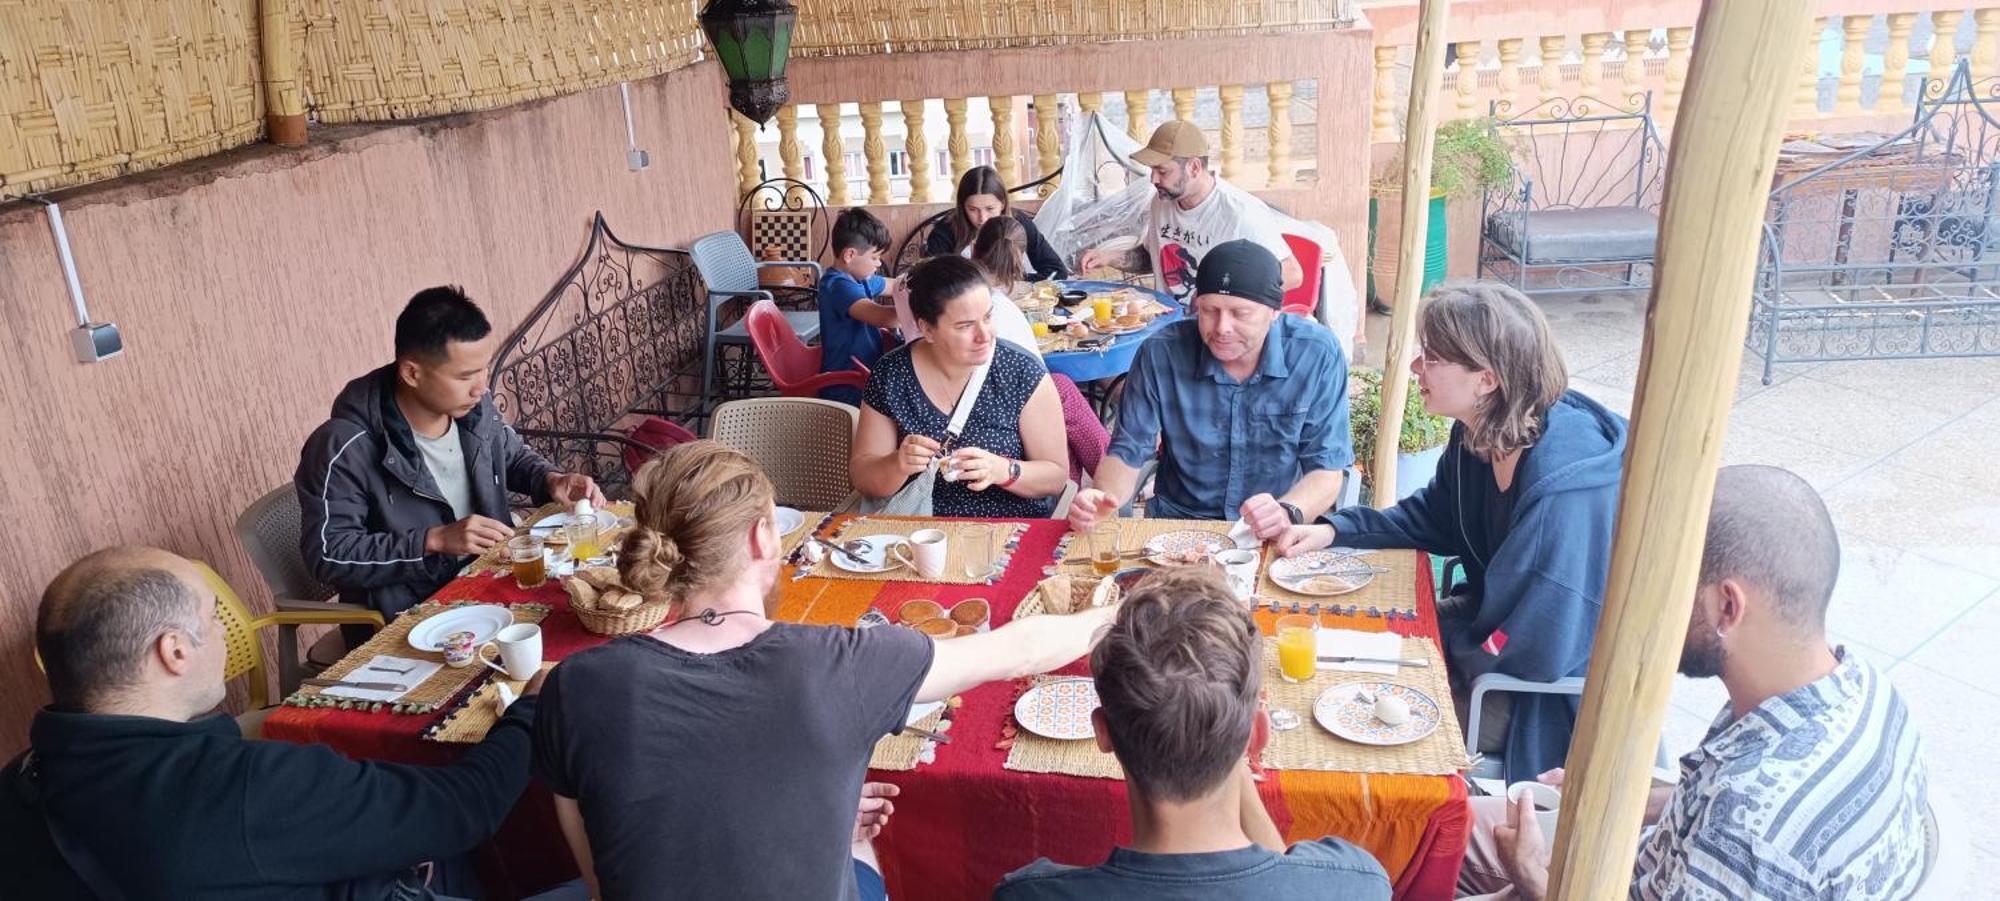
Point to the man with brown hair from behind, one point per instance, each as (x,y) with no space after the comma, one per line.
(1178,675)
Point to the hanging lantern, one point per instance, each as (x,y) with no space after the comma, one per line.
(752,38)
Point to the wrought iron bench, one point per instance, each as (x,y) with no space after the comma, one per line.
(615,341)
(1583,206)
(1892,250)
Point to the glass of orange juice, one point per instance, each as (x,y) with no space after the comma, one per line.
(1040,328)
(1101,306)
(1298,646)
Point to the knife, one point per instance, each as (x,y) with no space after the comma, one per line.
(938,737)
(1389,660)
(365,686)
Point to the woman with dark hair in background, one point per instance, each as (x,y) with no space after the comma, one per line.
(982,196)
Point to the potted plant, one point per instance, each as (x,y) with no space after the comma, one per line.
(1467,160)
(1422,441)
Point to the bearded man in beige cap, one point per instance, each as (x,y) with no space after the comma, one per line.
(1192,211)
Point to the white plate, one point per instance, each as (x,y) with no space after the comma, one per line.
(557,520)
(1296,574)
(1120,244)
(789,521)
(874,552)
(483,620)
(1164,549)
(1342,713)
(1058,708)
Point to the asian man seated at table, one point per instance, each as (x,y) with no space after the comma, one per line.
(1178,675)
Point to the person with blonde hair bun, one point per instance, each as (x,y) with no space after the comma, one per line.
(681,757)
(1525,496)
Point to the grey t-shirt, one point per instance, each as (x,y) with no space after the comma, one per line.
(729,775)
(1325,868)
(444,456)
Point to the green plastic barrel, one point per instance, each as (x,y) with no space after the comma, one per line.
(1435,244)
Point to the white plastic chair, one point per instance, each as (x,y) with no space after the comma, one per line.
(802,443)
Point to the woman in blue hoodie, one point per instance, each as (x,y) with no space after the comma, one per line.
(1525,494)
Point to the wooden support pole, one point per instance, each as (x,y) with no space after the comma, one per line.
(284,100)
(1718,174)
(1426,79)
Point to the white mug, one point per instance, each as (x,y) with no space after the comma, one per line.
(927,546)
(520,648)
(1239,566)
(1547,800)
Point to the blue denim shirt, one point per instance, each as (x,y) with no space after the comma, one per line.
(1326,868)
(1221,441)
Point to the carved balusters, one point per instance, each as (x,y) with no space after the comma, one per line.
(1854,34)
(1896,63)
(1231,97)
(1135,115)
(1806,106)
(1634,72)
(1385,97)
(788,143)
(1944,45)
(1280,93)
(917,147)
(1590,72)
(1507,83)
(1985,43)
(955,139)
(1048,139)
(1679,42)
(875,152)
(1184,104)
(1467,84)
(747,172)
(1005,161)
(834,148)
(1548,78)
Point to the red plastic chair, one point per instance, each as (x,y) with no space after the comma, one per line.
(1304,299)
(794,367)
(657,435)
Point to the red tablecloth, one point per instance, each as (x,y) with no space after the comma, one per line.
(965,820)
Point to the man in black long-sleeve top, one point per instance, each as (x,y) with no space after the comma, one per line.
(132,789)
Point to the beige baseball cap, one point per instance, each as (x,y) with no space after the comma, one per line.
(1179,139)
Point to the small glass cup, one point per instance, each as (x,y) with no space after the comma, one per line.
(1298,646)
(1104,538)
(975,542)
(583,534)
(530,562)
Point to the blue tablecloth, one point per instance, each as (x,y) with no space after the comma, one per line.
(1091,365)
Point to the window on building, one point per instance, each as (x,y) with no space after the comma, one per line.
(943,161)
(899,162)
(807,162)
(982,156)
(855,163)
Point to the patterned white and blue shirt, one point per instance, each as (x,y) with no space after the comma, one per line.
(1817,793)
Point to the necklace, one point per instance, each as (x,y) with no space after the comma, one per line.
(708,617)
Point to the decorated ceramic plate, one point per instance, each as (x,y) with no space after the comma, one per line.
(1322,573)
(873,551)
(789,520)
(1058,708)
(483,620)
(1348,710)
(1115,329)
(1185,547)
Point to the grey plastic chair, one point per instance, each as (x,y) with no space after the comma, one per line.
(730,274)
(801,442)
(269,529)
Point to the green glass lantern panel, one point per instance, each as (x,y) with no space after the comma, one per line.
(729,51)
(756,50)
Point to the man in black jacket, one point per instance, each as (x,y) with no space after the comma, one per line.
(410,476)
(131,789)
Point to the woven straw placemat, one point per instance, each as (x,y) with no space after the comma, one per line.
(493,560)
(1032,753)
(905,751)
(814,522)
(435,691)
(1132,537)
(1311,747)
(1392,590)
(475,716)
(1006,537)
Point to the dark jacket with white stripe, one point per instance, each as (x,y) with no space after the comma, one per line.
(367,499)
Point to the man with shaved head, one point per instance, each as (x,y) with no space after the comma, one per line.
(1809,783)
(133,788)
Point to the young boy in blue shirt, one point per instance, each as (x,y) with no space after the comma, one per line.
(854,303)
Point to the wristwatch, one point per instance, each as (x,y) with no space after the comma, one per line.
(1292,510)
(1013,474)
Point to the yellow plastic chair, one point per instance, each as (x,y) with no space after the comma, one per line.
(240,627)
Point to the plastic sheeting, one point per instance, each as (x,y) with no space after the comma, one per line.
(1104,195)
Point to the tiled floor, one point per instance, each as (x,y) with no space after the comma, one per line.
(1907,455)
